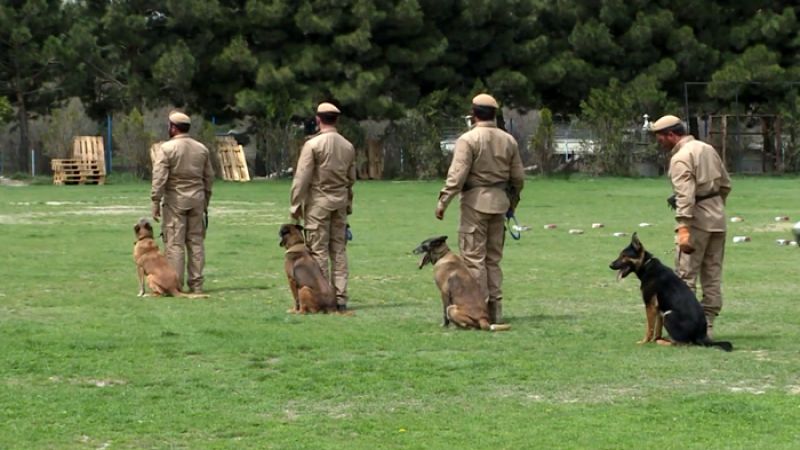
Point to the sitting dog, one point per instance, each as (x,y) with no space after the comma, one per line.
(668,300)
(153,266)
(311,291)
(462,302)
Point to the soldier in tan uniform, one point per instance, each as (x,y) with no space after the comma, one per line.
(322,195)
(182,179)
(486,163)
(701,186)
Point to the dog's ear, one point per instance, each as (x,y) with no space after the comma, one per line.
(148,226)
(299,227)
(636,243)
(136,228)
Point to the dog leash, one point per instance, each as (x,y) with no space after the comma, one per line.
(511,228)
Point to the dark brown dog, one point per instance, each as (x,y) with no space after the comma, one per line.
(311,291)
(152,266)
(462,301)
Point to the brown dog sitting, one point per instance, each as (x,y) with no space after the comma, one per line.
(152,266)
(311,291)
(462,301)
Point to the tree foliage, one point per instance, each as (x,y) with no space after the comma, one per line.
(271,61)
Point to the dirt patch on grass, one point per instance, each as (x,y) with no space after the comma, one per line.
(96,382)
(23,219)
(111,210)
(783,227)
(13,183)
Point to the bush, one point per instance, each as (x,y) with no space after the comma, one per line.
(62,126)
(133,142)
(542,142)
(613,113)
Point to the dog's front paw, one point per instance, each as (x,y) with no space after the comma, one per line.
(140,294)
(645,341)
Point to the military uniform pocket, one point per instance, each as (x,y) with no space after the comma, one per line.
(466,238)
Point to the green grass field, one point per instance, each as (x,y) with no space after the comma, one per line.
(86,364)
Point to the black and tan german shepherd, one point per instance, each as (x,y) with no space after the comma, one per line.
(668,300)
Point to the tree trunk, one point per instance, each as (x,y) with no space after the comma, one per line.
(23,152)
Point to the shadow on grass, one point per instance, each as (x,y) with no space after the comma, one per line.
(539,318)
(356,305)
(223,290)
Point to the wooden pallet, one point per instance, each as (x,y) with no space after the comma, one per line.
(90,148)
(232,160)
(87,164)
(76,171)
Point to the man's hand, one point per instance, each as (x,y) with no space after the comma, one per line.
(295,214)
(684,240)
(156,211)
(439,211)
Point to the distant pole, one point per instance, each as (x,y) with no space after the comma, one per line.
(686,108)
(33,163)
(108,144)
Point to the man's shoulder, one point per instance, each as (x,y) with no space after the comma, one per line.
(183,141)
(470,135)
(332,137)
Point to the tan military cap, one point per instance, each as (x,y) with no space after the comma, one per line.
(179,118)
(664,123)
(485,100)
(328,108)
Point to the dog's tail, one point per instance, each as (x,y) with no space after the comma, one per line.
(723,345)
(486,326)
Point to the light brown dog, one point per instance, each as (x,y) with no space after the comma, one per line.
(153,267)
(311,291)
(462,301)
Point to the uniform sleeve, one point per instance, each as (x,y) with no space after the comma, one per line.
(457,174)
(208,178)
(351,180)
(683,183)
(517,175)
(160,174)
(302,178)
(725,184)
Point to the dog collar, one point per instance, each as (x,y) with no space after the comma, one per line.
(301,247)
(436,256)
(645,264)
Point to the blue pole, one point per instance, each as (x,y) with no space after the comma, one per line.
(108,144)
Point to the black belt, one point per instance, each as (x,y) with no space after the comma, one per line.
(672,202)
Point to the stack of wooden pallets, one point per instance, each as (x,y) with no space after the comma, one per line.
(87,164)
(232,159)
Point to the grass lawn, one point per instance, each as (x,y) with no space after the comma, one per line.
(86,364)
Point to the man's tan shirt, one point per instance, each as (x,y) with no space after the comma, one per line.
(483,157)
(325,174)
(696,169)
(182,173)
